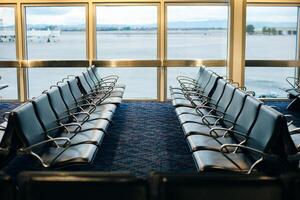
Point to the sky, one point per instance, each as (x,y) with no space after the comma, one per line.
(133,15)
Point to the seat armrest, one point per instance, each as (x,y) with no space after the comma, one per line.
(289,117)
(218,118)
(87,116)
(30,148)
(183,83)
(295,81)
(227,131)
(205,107)
(5,116)
(184,78)
(180,81)
(294,131)
(65,127)
(253,150)
(206,122)
(108,80)
(110,76)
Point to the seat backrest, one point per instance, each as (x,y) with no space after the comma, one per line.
(75,90)
(27,125)
(218,92)
(58,105)
(84,84)
(92,76)
(46,114)
(248,115)
(199,73)
(235,107)
(210,87)
(204,79)
(81,185)
(6,187)
(67,95)
(89,81)
(226,98)
(95,71)
(215,187)
(265,135)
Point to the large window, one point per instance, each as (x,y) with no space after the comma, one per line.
(7,33)
(141,82)
(9,78)
(40,79)
(197,32)
(271,34)
(268,82)
(56,32)
(127,32)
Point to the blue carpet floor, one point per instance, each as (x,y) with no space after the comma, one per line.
(145,137)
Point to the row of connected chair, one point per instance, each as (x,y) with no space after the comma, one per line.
(66,124)
(227,129)
(159,186)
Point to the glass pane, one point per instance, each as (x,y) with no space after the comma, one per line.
(56,33)
(268,82)
(197,32)
(173,72)
(7,34)
(41,79)
(127,32)
(271,33)
(9,77)
(141,82)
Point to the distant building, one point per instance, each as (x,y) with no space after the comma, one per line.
(32,35)
(286,31)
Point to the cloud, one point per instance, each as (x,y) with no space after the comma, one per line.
(272,14)
(197,13)
(130,15)
(55,15)
(46,10)
(7,14)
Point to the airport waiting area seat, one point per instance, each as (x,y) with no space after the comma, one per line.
(81,185)
(158,186)
(66,124)
(229,130)
(215,186)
